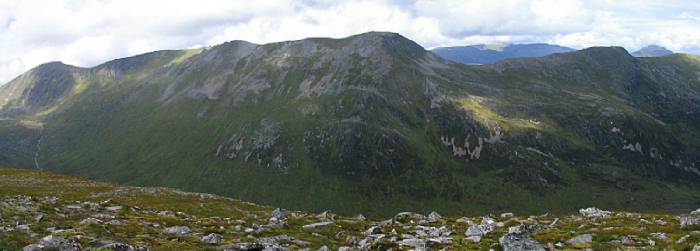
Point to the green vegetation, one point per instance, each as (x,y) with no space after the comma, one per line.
(93,214)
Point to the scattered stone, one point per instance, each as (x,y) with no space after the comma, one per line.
(245,246)
(54,243)
(212,239)
(434,217)
(584,238)
(114,208)
(121,247)
(627,240)
(33,247)
(318,225)
(324,248)
(516,242)
(423,231)
(507,215)
(326,215)
(90,221)
(407,217)
(593,212)
(465,220)
(418,244)
(689,220)
(475,232)
(373,230)
(301,242)
(659,236)
(179,230)
(359,217)
(74,207)
(439,240)
(280,214)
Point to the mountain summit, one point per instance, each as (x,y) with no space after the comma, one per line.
(370,123)
(652,51)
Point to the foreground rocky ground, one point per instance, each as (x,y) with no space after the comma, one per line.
(44,211)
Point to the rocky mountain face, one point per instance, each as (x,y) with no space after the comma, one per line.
(652,51)
(489,53)
(39,213)
(371,123)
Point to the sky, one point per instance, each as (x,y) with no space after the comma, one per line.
(86,33)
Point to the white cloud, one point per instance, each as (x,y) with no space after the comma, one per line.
(88,32)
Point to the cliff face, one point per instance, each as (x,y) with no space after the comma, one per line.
(371,123)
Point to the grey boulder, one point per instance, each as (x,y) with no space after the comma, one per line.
(517,242)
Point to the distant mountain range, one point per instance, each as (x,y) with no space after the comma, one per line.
(489,53)
(652,51)
(371,123)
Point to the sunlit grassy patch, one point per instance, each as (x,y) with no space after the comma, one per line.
(478,107)
(186,54)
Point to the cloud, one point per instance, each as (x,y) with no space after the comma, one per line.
(88,32)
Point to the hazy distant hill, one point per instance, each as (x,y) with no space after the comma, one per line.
(652,51)
(483,54)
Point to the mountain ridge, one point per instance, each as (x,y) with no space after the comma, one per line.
(485,54)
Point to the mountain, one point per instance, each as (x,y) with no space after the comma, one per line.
(489,53)
(39,213)
(371,123)
(652,51)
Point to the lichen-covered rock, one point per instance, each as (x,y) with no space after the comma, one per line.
(475,232)
(659,236)
(54,243)
(417,244)
(518,242)
(313,226)
(689,220)
(90,221)
(280,214)
(593,212)
(527,228)
(212,238)
(406,217)
(584,238)
(179,230)
(434,217)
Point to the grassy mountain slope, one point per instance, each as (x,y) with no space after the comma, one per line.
(373,123)
(36,206)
